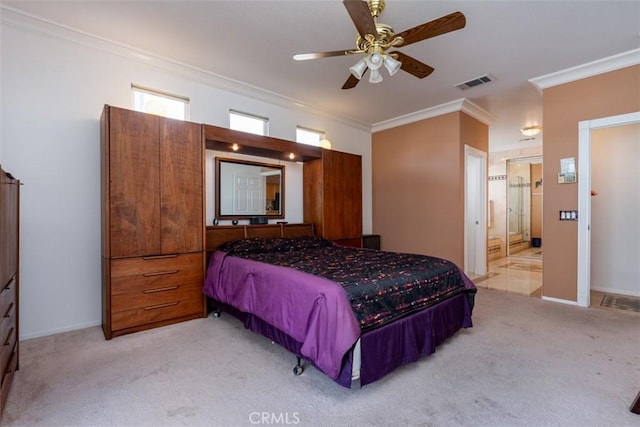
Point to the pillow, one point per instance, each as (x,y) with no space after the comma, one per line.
(252,245)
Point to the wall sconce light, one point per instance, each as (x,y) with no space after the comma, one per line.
(235,147)
(531,130)
(325,143)
(292,156)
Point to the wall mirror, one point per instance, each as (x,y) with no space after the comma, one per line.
(245,189)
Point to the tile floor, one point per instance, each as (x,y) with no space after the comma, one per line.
(518,275)
(522,274)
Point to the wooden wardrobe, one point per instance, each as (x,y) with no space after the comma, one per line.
(332,196)
(152,221)
(9,280)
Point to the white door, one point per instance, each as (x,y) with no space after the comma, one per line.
(475,212)
(248,196)
(584,196)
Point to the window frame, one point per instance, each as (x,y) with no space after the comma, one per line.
(322,135)
(262,119)
(183,100)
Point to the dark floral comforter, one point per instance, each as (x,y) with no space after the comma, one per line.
(381,286)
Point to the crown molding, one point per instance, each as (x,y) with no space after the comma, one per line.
(34,24)
(590,69)
(478,112)
(461,104)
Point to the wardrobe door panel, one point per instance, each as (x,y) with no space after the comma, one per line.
(181,160)
(5,200)
(134,181)
(8,230)
(342,195)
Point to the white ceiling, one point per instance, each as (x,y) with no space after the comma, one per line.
(254,41)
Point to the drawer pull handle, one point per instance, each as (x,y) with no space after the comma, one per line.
(168,288)
(160,256)
(169,304)
(160,273)
(6,315)
(8,341)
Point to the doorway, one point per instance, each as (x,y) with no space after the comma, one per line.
(475,208)
(586,131)
(512,269)
(524,207)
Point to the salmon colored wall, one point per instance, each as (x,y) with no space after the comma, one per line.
(418,176)
(473,133)
(609,94)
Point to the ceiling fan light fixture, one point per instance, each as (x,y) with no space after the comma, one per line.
(392,65)
(374,38)
(531,130)
(375,76)
(374,61)
(358,69)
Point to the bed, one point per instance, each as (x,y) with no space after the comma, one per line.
(355,314)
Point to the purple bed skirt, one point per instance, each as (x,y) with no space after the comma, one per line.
(384,349)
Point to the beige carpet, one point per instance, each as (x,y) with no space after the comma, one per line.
(527,362)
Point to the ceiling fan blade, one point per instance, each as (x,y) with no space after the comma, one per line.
(412,65)
(352,81)
(316,55)
(453,21)
(361,17)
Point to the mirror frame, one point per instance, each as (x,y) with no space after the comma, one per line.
(218,213)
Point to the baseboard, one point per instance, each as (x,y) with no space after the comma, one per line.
(59,330)
(624,292)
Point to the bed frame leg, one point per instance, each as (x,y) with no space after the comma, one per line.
(298,369)
(213,308)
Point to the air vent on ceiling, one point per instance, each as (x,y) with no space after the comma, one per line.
(475,82)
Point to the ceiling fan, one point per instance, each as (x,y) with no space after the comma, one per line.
(375,38)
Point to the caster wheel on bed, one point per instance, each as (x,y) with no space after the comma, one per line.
(297,370)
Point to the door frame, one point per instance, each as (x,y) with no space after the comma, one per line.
(584,196)
(530,160)
(480,243)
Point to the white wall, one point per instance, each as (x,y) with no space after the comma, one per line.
(615,230)
(54,83)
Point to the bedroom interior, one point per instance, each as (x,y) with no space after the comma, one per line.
(386,155)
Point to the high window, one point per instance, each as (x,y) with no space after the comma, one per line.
(160,103)
(248,123)
(312,137)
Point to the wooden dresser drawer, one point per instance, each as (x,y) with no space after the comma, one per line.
(139,274)
(7,346)
(8,321)
(7,375)
(143,265)
(7,296)
(148,290)
(170,292)
(161,312)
